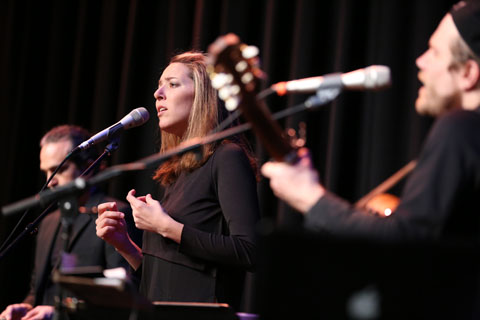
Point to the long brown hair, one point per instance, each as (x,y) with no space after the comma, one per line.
(203,118)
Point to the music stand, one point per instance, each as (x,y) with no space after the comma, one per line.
(103,298)
(193,310)
(107,298)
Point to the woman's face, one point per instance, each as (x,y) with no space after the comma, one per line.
(174,98)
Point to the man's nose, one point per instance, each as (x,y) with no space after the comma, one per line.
(53,183)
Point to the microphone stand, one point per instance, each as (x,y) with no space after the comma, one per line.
(322,97)
(68,208)
(31,228)
(69,155)
(68,211)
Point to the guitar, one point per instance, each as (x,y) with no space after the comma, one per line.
(234,71)
(380,202)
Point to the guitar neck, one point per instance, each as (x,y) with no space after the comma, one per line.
(268,130)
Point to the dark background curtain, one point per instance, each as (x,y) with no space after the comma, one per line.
(90,62)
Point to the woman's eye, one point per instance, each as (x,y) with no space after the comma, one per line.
(173,84)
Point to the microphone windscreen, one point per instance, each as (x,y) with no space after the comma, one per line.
(135,118)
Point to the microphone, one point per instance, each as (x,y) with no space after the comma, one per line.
(135,118)
(370,78)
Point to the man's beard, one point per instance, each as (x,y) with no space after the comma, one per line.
(429,103)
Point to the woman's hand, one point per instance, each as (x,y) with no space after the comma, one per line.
(112,228)
(150,216)
(111,225)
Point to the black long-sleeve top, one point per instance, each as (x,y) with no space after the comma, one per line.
(439,200)
(218,205)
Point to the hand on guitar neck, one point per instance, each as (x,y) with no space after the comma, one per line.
(297,184)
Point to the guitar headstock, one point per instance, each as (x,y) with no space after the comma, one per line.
(234,69)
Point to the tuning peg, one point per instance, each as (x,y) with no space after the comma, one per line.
(247,77)
(249,52)
(220,80)
(232,103)
(228,91)
(223,93)
(241,66)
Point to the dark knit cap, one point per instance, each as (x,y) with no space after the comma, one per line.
(466,16)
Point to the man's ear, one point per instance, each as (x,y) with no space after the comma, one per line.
(470,75)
